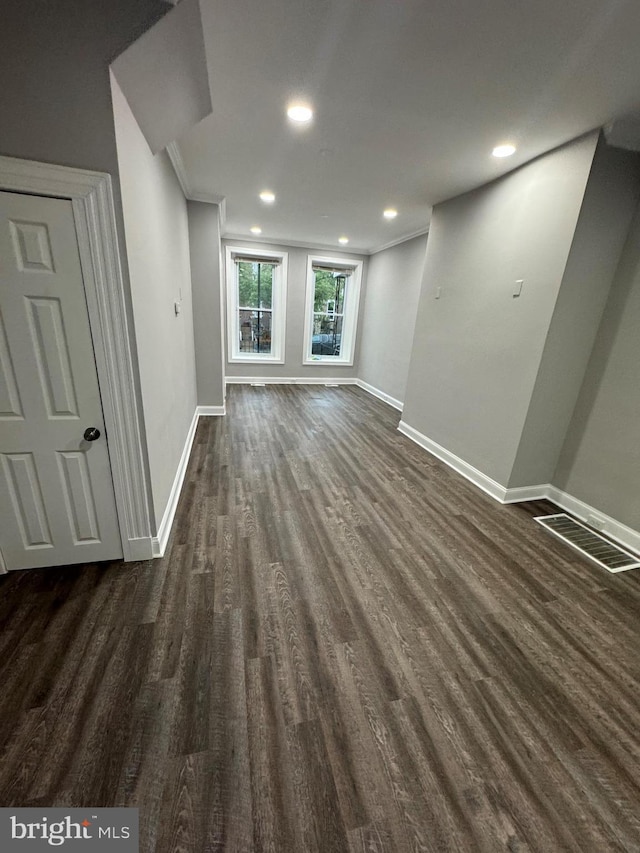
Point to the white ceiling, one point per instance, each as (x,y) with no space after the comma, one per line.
(410,96)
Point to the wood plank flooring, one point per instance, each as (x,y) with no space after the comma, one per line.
(347,649)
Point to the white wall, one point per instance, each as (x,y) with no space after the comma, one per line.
(476,349)
(393,291)
(157,238)
(600,460)
(294,341)
(607,209)
(167,98)
(206,281)
(55,97)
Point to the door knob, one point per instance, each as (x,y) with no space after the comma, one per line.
(91,433)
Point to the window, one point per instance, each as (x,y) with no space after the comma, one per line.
(333,296)
(256,298)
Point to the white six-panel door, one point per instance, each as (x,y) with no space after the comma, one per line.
(57,503)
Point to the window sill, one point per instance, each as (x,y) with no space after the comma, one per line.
(256,359)
(324,360)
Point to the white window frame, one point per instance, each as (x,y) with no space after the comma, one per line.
(278,306)
(350,310)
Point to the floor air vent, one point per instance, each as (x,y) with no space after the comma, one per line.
(590,544)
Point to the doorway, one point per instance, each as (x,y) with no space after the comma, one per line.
(56,489)
(84,198)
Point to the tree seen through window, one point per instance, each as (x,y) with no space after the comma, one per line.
(255,294)
(328,312)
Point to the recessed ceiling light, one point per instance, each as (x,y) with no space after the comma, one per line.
(267,196)
(505,150)
(343,240)
(300,113)
(256,229)
(390,213)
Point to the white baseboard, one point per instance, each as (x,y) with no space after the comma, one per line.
(315,380)
(137,550)
(291,380)
(611,527)
(616,530)
(626,536)
(211,411)
(526,493)
(160,541)
(491,487)
(376,392)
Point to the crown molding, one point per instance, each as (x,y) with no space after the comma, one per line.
(400,240)
(177,162)
(222,213)
(324,247)
(208,198)
(178,167)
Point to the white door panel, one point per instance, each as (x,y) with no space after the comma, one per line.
(56,494)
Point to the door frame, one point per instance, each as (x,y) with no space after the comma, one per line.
(91,196)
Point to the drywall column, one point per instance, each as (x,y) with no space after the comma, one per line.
(611,197)
(167,98)
(55,98)
(157,235)
(393,291)
(206,282)
(477,349)
(600,460)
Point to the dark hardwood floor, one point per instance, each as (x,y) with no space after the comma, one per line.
(346,648)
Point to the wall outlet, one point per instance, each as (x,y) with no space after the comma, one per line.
(438,292)
(177,307)
(517,290)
